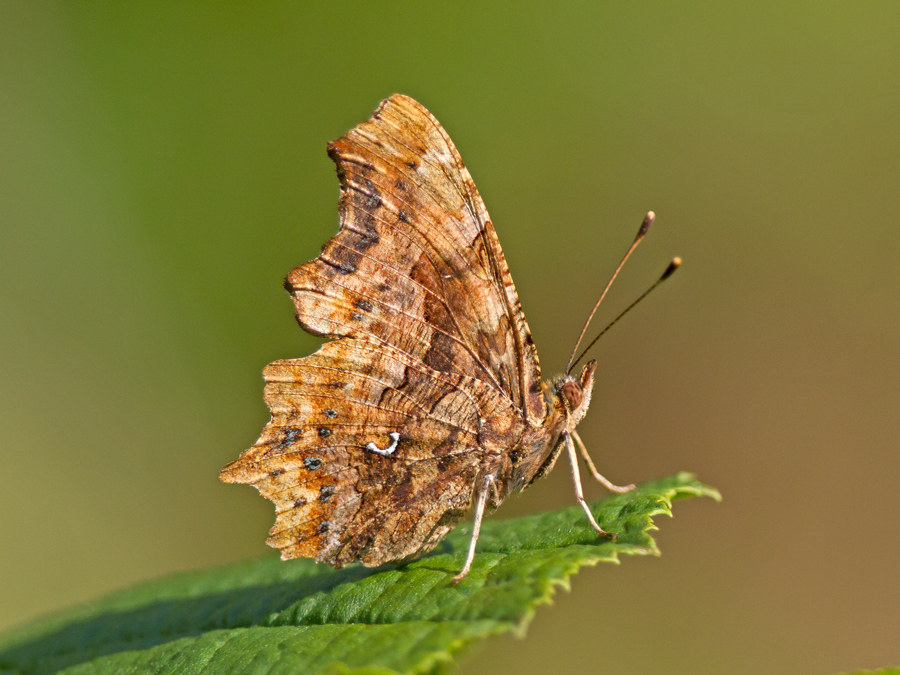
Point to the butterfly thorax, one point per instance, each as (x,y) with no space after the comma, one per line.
(568,399)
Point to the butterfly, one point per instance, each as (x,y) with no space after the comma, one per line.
(429,398)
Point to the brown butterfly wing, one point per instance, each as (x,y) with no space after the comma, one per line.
(435,360)
(417,264)
(368,455)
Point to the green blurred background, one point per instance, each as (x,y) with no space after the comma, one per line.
(163,166)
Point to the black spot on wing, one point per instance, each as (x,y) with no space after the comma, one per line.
(374,196)
(342,266)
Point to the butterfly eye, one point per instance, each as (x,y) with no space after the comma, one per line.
(573,394)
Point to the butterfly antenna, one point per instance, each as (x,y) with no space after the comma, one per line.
(642,232)
(670,270)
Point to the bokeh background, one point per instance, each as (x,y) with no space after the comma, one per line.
(162,166)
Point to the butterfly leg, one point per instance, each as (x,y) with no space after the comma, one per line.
(579,495)
(587,458)
(487,485)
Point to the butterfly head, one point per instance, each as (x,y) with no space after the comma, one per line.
(573,394)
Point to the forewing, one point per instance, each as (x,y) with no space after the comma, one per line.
(369,455)
(416,264)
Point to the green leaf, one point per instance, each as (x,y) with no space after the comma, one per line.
(269,616)
(880,671)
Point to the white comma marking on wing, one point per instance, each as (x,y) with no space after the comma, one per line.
(395,438)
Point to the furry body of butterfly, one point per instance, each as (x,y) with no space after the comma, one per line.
(429,398)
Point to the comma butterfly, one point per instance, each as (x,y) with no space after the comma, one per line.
(430,398)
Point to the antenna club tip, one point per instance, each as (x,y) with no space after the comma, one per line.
(645,225)
(670,270)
